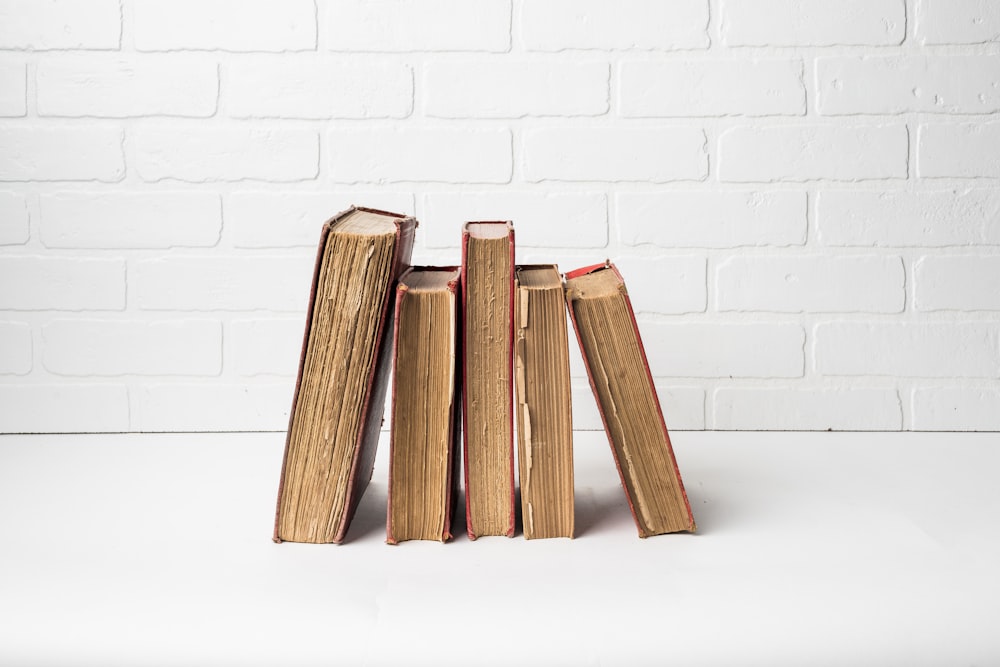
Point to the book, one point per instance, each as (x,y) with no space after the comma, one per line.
(339,396)
(487,349)
(425,406)
(543,403)
(620,378)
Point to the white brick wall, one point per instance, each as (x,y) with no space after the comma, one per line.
(655,155)
(61,153)
(153,86)
(133,219)
(959,150)
(13,89)
(803,195)
(763,153)
(813,22)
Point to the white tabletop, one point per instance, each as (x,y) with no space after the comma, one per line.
(829,548)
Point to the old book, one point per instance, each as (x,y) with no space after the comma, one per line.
(623,386)
(487,348)
(543,406)
(339,397)
(425,406)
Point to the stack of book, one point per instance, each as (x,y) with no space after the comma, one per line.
(474,350)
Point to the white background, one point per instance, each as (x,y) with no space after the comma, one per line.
(802,195)
(812,549)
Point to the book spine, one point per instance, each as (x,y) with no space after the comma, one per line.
(510,381)
(454,451)
(463,333)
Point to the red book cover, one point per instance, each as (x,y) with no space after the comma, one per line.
(403,382)
(488,281)
(597,372)
(373,403)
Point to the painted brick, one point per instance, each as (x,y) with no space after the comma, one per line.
(214,407)
(294,219)
(60,24)
(391,154)
(930,218)
(961,150)
(804,153)
(68,408)
(222,283)
(723,350)
(815,283)
(745,87)
(158,85)
(130,219)
(958,21)
(669,285)
(683,407)
(318,88)
(956,409)
(555,25)
(14,222)
(61,283)
(45,153)
(655,155)
(15,348)
(128,347)
(799,409)
(501,89)
(711,219)
(418,25)
(541,219)
(198,154)
(959,282)
(905,349)
(13,89)
(900,84)
(224,25)
(265,347)
(812,22)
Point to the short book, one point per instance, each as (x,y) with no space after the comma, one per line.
(426,406)
(543,406)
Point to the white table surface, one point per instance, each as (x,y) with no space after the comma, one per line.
(823,548)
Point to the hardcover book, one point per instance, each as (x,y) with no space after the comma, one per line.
(620,378)
(487,348)
(543,406)
(339,396)
(425,406)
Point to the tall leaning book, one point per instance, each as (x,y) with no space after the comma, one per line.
(619,376)
(339,397)
(487,369)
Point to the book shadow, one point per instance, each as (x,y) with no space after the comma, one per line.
(713,511)
(369,518)
(597,509)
